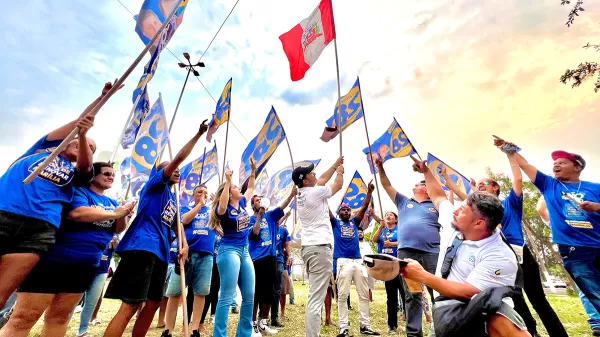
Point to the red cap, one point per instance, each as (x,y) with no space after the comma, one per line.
(575,158)
(254,197)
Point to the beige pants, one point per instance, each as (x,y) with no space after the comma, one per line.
(349,270)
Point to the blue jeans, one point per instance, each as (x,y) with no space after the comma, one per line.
(91,299)
(198,276)
(235,267)
(583,264)
(5,312)
(593,315)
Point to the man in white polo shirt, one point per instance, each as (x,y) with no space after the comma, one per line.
(317,235)
(475,258)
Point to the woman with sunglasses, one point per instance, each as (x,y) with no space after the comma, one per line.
(58,281)
(228,217)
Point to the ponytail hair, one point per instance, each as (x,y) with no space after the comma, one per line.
(214,223)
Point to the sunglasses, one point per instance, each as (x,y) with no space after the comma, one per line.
(108,174)
(486,183)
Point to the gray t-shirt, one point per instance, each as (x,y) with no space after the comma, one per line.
(418,226)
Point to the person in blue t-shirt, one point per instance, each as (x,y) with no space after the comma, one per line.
(346,253)
(144,248)
(229,218)
(386,238)
(93,295)
(30,214)
(58,281)
(418,239)
(263,252)
(282,251)
(201,242)
(574,209)
(512,229)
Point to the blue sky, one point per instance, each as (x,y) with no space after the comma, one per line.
(451,72)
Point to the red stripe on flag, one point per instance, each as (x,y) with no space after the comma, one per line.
(327,19)
(292,46)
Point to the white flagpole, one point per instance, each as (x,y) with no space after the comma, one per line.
(339,114)
(104,99)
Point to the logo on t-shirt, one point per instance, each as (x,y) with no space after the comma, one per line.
(410,206)
(168,213)
(243,220)
(107,223)
(59,172)
(347,231)
(575,216)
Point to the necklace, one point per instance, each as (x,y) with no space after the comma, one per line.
(568,190)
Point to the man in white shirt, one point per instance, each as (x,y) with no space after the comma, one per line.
(473,256)
(365,249)
(317,235)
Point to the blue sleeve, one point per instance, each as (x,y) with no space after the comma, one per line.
(156,178)
(286,236)
(41,146)
(243,202)
(515,202)
(400,200)
(542,181)
(80,199)
(355,222)
(276,214)
(333,221)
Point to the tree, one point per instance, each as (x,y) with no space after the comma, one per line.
(537,233)
(585,70)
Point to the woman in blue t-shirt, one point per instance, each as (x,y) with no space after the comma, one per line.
(229,218)
(58,281)
(386,238)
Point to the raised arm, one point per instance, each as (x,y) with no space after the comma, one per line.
(542,209)
(377,234)
(289,199)
(517,181)
(250,188)
(434,189)
(326,176)
(360,214)
(185,151)
(85,155)
(259,216)
(63,131)
(284,218)
(529,170)
(451,185)
(95,214)
(385,181)
(224,198)
(337,183)
(187,217)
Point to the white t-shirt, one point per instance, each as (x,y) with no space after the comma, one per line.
(365,248)
(484,264)
(313,211)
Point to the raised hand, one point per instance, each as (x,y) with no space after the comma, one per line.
(253,165)
(371,187)
(84,124)
(203,127)
(340,169)
(339,161)
(419,166)
(228,176)
(108,86)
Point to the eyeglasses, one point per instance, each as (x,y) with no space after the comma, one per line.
(486,183)
(108,174)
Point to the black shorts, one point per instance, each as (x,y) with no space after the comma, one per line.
(266,273)
(51,277)
(140,277)
(21,234)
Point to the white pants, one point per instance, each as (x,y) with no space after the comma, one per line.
(349,270)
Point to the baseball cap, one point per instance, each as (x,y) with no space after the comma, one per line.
(384,267)
(254,197)
(300,173)
(575,158)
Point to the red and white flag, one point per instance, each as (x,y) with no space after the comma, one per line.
(304,43)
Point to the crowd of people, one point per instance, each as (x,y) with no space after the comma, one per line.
(459,260)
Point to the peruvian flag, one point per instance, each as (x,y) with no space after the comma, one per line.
(304,43)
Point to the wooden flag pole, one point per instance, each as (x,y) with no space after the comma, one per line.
(202,169)
(226,138)
(218,170)
(104,99)
(339,115)
(369,144)
(290,150)
(180,247)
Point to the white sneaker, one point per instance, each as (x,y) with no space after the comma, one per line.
(78,309)
(265,329)
(255,331)
(212,319)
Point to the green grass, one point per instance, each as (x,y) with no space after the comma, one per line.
(568,308)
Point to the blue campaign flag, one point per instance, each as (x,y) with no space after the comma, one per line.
(141,111)
(392,144)
(261,185)
(198,172)
(262,147)
(281,183)
(461,181)
(221,114)
(350,109)
(151,139)
(153,14)
(355,193)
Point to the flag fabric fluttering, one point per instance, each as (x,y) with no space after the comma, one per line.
(281,183)
(392,144)
(261,185)
(221,114)
(150,141)
(197,172)
(350,109)
(262,147)
(355,193)
(304,43)
(141,111)
(459,180)
(153,14)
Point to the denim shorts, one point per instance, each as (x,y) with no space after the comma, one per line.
(198,275)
